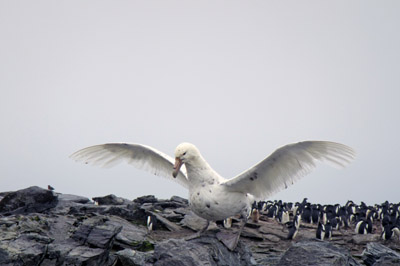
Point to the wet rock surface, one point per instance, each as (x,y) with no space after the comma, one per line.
(42,227)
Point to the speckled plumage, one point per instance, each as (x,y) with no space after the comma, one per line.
(211,196)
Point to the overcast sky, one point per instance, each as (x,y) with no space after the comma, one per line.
(236,78)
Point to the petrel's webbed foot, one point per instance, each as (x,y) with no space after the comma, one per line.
(199,233)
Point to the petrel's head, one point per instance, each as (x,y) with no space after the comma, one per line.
(185,152)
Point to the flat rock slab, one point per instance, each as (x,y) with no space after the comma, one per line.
(200,251)
(364,239)
(194,222)
(312,252)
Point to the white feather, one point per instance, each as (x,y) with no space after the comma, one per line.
(287,165)
(140,156)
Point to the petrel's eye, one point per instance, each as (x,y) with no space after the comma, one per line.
(184,153)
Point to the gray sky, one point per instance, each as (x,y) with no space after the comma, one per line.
(236,78)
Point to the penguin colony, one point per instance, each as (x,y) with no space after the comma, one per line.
(327,217)
(332,217)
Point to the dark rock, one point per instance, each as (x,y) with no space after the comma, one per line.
(84,255)
(166,223)
(130,214)
(378,254)
(72,198)
(32,199)
(172,216)
(131,236)
(146,199)
(85,209)
(180,200)
(129,257)
(39,227)
(193,221)
(163,204)
(21,251)
(313,252)
(111,200)
(96,233)
(103,236)
(387,261)
(201,251)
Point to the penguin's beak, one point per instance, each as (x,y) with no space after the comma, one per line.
(177,166)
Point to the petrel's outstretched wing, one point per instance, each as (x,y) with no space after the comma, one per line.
(140,156)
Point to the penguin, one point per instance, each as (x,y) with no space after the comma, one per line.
(328,230)
(279,215)
(295,208)
(350,207)
(292,230)
(388,232)
(369,227)
(371,214)
(50,188)
(255,213)
(282,215)
(289,206)
(264,206)
(306,214)
(361,227)
(342,211)
(228,222)
(285,216)
(330,211)
(151,223)
(323,217)
(385,221)
(271,211)
(344,221)
(304,201)
(352,218)
(335,222)
(260,205)
(320,231)
(297,221)
(315,215)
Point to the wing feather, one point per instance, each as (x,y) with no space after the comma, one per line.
(287,165)
(138,155)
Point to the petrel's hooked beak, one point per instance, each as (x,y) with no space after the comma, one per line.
(177,166)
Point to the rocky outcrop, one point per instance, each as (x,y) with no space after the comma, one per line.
(41,227)
(29,200)
(377,254)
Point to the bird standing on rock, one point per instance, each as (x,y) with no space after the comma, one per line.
(211,196)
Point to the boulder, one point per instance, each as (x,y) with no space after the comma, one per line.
(111,200)
(180,200)
(146,199)
(129,257)
(378,254)
(30,200)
